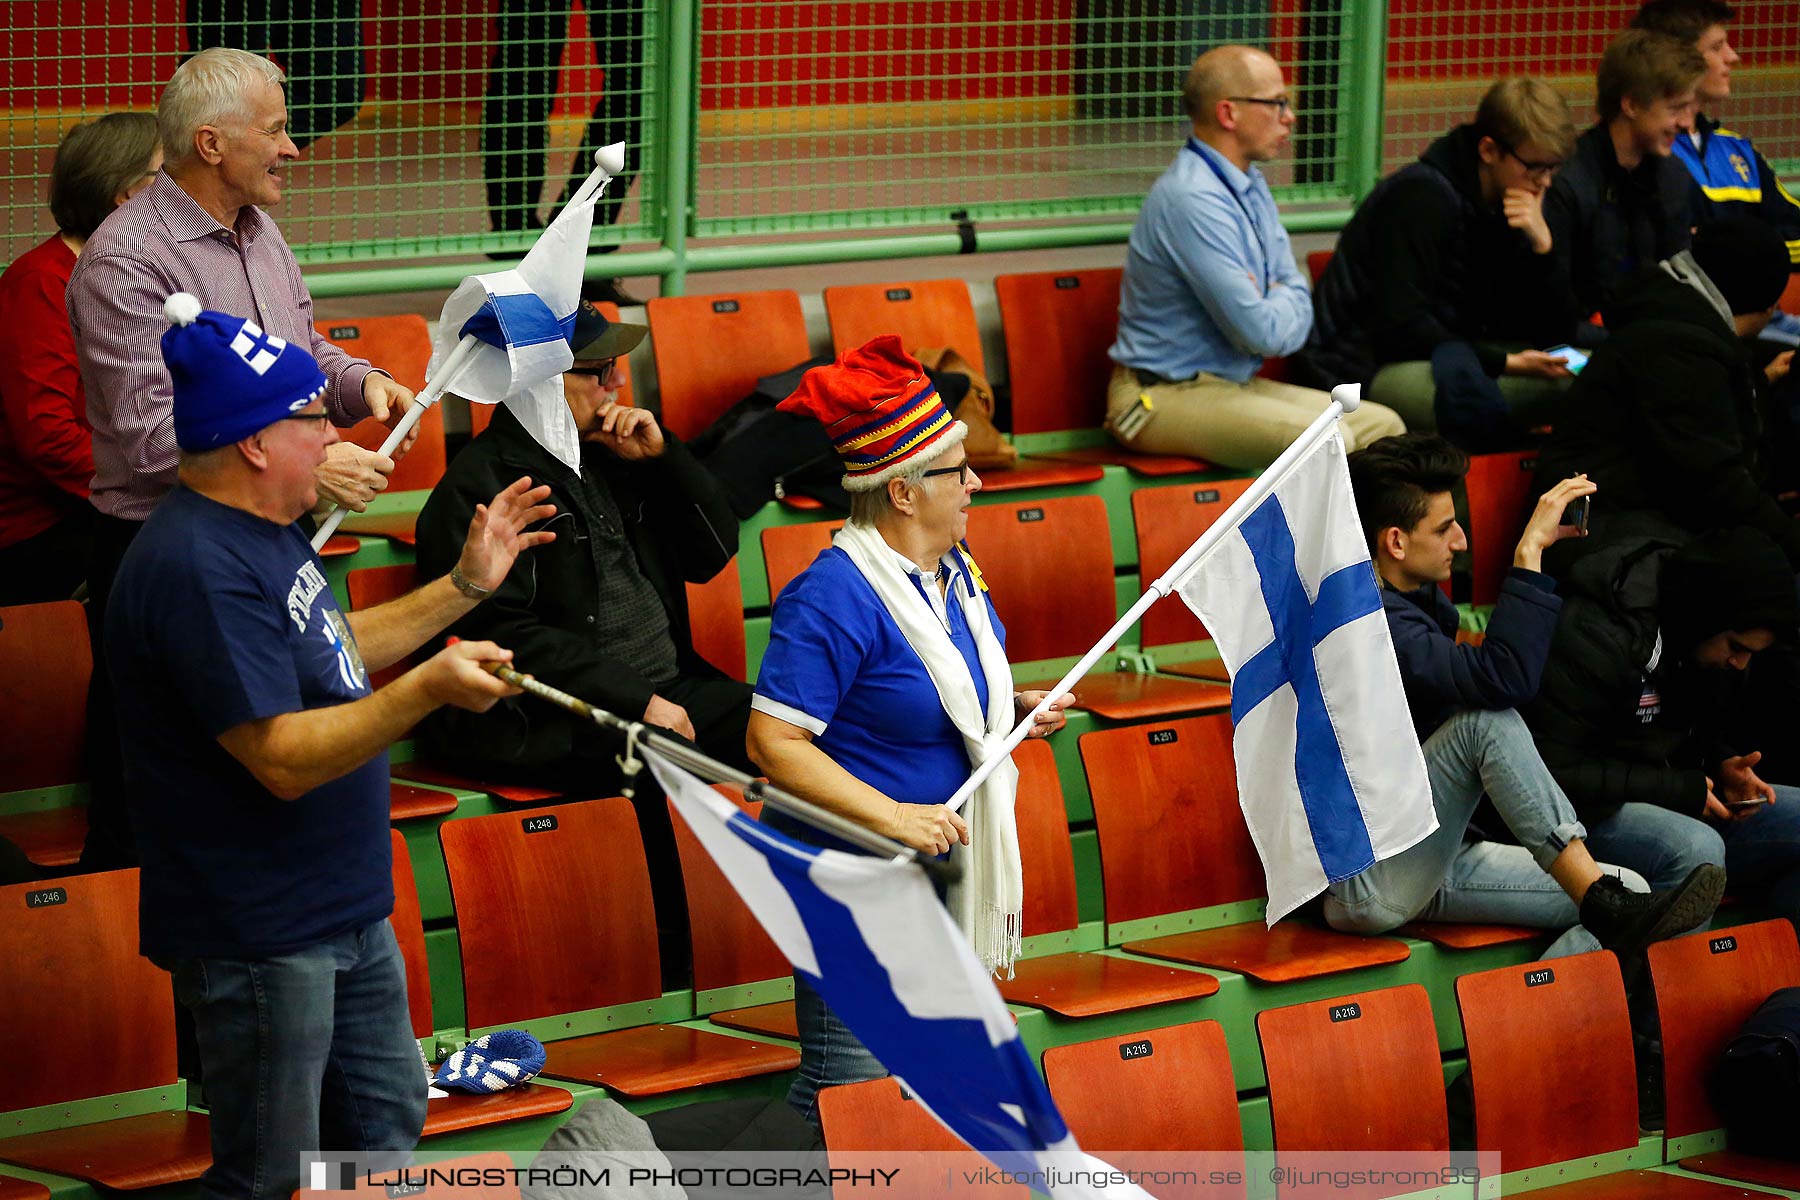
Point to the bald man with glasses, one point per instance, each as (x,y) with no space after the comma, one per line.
(1445,293)
(1211,289)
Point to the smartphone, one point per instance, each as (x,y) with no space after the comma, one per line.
(1576,515)
(1743,805)
(1576,359)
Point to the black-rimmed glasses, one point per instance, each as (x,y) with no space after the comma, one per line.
(960,470)
(1283,103)
(321,418)
(1533,170)
(599,372)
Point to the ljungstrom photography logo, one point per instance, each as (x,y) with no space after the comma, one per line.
(333,1176)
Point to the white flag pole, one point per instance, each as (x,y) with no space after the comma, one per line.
(1345,397)
(608,162)
(433,391)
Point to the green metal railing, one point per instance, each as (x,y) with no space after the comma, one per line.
(780,132)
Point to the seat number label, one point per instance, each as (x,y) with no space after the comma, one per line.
(1539,977)
(1206,496)
(899,293)
(725,306)
(1722,945)
(1138,1049)
(1345,1012)
(1028,515)
(1163,737)
(46,897)
(543,824)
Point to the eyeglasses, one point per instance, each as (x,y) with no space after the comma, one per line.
(321,417)
(1533,170)
(600,372)
(960,470)
(1284,103)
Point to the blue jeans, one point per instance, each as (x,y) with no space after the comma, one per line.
(307,1051)
(829,1053)
(1762,854)
(1660,844)
(1444,878)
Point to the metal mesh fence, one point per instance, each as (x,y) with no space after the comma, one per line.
(829,115)
(424,124)
(1441,57)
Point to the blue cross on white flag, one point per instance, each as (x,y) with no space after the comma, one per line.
(524,318)
(873,938)
(1330,775)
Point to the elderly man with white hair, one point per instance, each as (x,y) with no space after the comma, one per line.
(885,682)
(198,228)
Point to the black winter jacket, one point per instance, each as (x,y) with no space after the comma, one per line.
(1665,420)
(681,528)
(1426,261)
(1441,677)
(1620,717)
(1609,223)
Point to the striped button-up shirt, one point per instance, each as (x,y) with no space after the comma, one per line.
(160,242)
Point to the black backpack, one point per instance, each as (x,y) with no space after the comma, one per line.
(1756,1085)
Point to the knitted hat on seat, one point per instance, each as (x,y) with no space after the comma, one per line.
(880,410)
(493,1062)
(230,378)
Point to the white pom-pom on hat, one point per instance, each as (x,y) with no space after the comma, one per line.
(181,308)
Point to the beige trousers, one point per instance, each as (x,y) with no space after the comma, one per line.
(1245,425)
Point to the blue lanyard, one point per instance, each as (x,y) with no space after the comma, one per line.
(1255,229)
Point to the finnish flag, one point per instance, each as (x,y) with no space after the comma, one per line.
(1330,776)
(871,935)
(524,318)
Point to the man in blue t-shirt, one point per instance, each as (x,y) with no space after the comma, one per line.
(256,760)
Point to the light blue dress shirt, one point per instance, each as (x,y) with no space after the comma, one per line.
(1210,281)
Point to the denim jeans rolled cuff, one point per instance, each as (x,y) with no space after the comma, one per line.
(1556,841)
(829,1053)
(1491,751)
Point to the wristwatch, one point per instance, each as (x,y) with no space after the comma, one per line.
(467,586)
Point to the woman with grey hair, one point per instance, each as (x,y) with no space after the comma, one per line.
(46,452)
(885,682)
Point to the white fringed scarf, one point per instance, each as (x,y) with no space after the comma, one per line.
(986,902)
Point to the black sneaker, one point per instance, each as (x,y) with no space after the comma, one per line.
(1626,922)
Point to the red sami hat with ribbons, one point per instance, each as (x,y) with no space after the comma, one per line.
(880,410)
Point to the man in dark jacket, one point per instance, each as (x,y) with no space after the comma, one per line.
(1622,202)
(1463,702)
(1664,418)
(1445,278)
(1641,714)
(601,612)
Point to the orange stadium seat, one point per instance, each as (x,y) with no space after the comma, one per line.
(456,1109)
(554,917)
(1161,1092)
(46,660)
(1500,502)
(877,1117)
(1073,983)
(401,346)
(1357,1073)
(1168,520)
(103,1018)
(1061,324)
(14,1188)
(1172,840)
(731,951)
(1519,1023)
(1316,262)
(716,620)
(1049,569)
(790,549)
(1707,985)
(711,350)
(931,313)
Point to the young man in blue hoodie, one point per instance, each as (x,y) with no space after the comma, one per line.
(1463,702)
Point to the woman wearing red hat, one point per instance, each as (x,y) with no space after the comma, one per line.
(885,681)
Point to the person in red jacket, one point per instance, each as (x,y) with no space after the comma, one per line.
(46,455)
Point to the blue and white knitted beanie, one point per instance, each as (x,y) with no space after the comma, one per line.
(493,1063)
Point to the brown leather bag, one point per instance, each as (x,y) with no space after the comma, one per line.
(987,449)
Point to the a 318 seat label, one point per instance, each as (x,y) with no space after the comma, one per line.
(1722,945)
(725,306)
(1345,1012)
(542,824)
(1138,1049)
